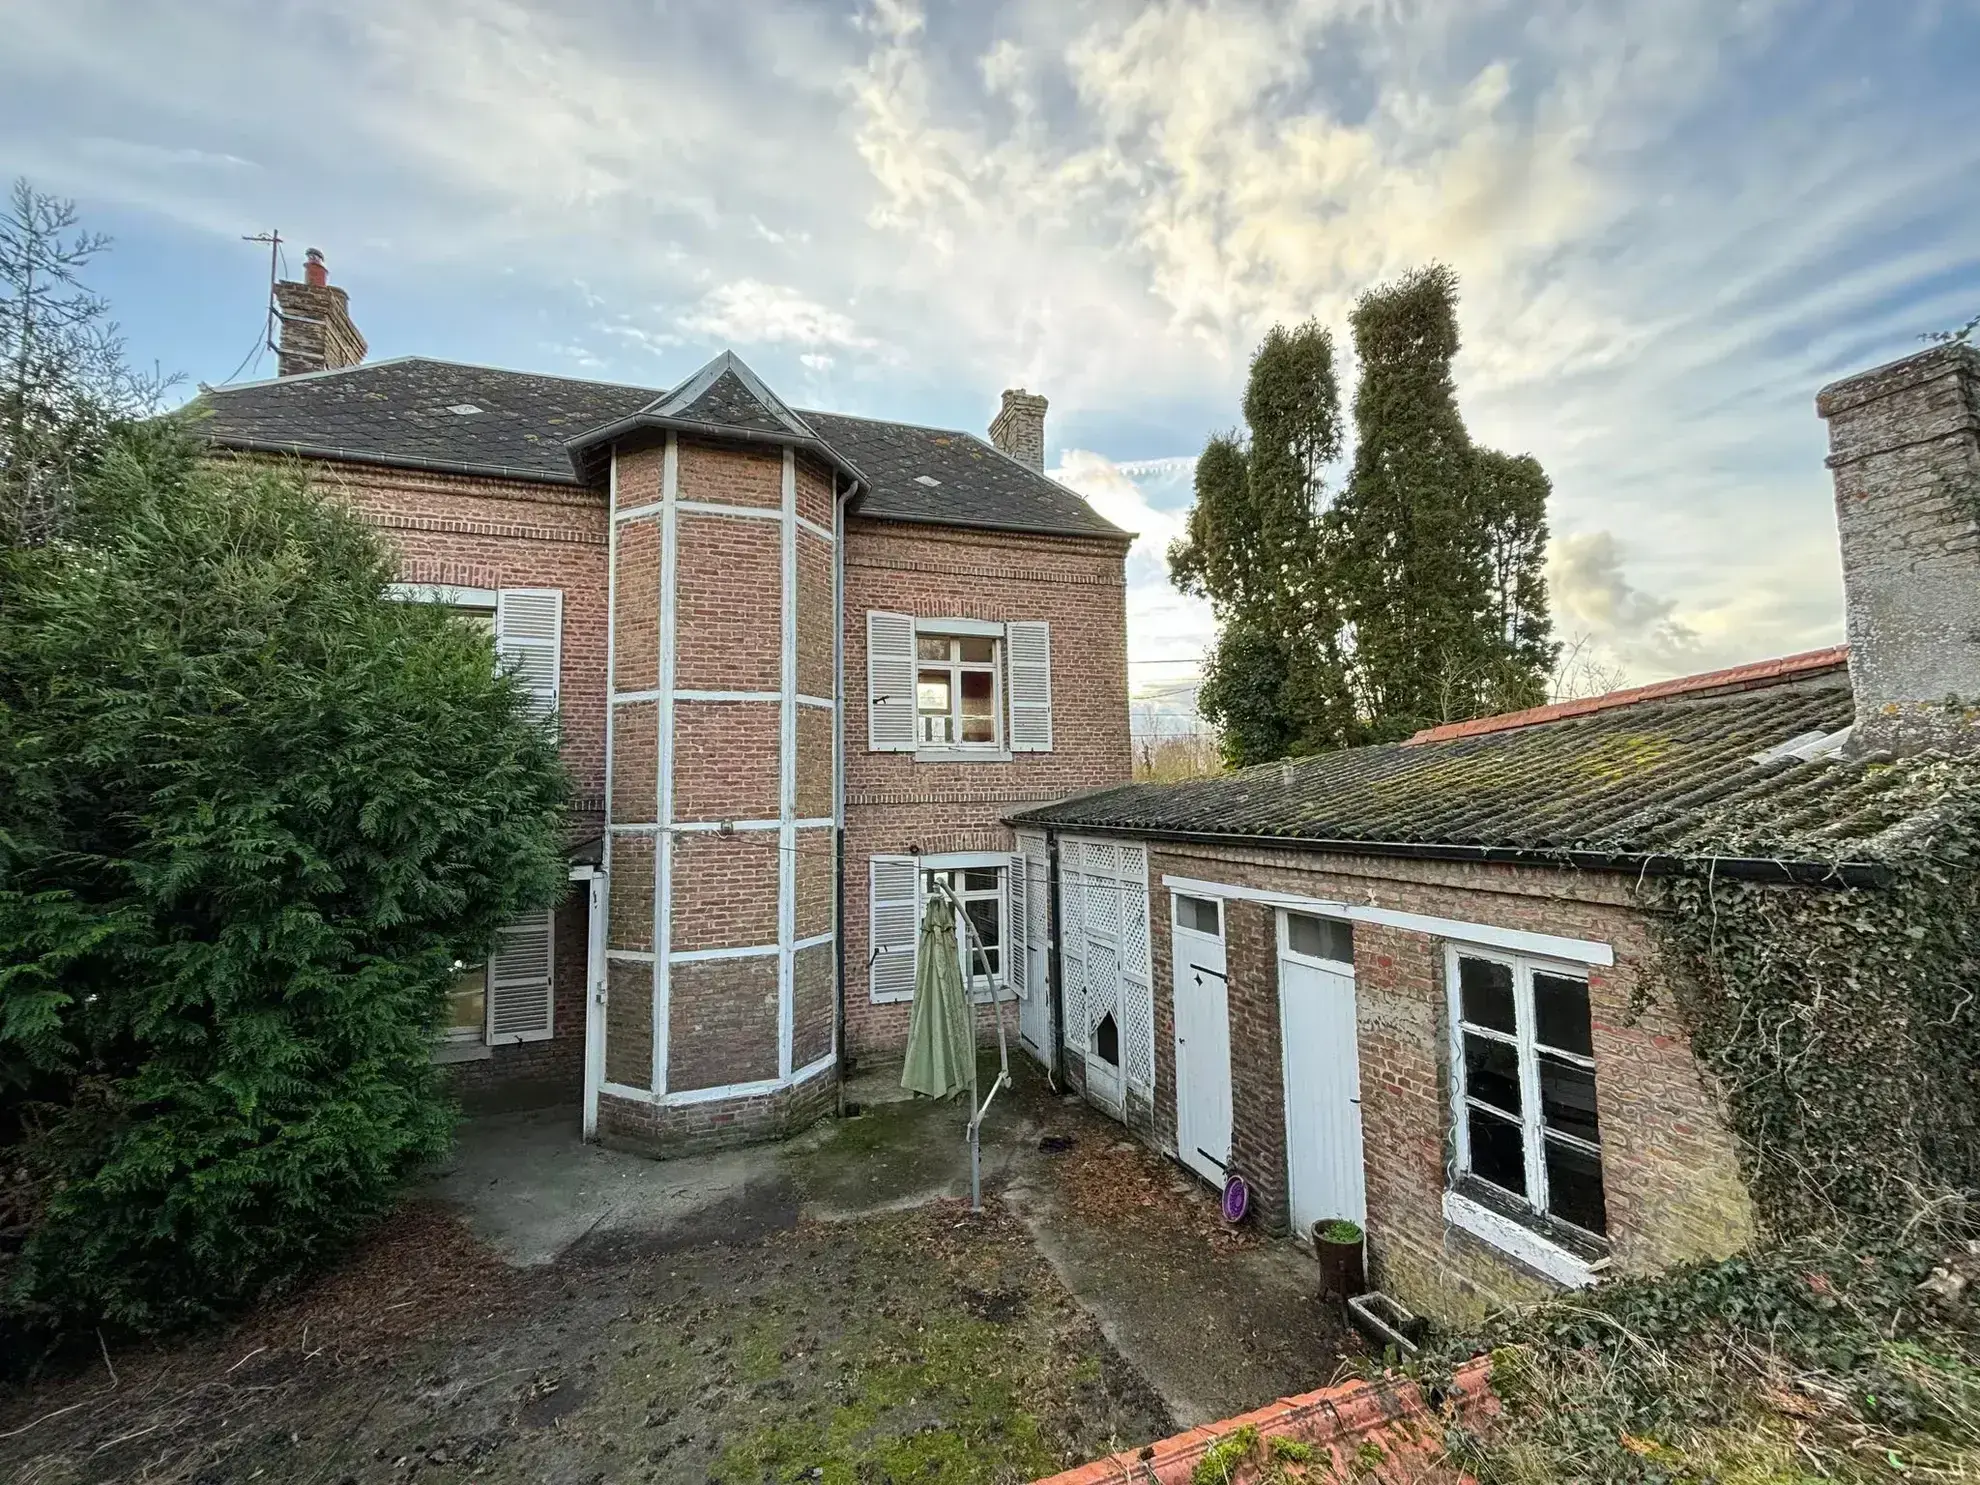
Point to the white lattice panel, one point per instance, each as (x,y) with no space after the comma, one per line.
(1137,989)
(1072,954)
(1103,990)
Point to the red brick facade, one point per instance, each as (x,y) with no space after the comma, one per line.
(896,802)
(1671,1178)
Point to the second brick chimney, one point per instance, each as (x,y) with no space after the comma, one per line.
(1019,428)
(317,332)
(1904,446)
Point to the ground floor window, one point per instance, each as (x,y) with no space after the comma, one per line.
(983,892)
(1526,1134)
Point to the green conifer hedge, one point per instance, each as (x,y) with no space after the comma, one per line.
(251,813)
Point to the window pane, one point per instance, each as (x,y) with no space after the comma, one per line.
(1560,1013)
(1574,1187)
(467,1002)
(1567,1098)
(931,647)
(983,916)
(1491,1073)
(1498,1153)
(1485,993)
(1200,914)
(982,879)
(979,707)
(931,691)
(978,650)
(482,619)
(1320,938)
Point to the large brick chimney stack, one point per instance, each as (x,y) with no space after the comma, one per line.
(1019,428)
(317,332)
(1904,443)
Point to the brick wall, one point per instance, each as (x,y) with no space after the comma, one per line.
(1671,1175)
(894,802)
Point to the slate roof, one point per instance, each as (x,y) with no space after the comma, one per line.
(530,427)
(1643,786)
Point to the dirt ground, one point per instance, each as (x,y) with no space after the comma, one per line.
(822,1311)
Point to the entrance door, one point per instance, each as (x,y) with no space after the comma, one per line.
(1322,1073)
(1203,1037)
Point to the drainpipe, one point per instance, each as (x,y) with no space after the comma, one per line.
(839,773)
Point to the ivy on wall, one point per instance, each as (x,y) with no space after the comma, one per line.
(1843,1023)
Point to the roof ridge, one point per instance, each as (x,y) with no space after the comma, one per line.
(548,376)
(1752,676)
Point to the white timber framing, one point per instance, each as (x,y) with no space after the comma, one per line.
(797,1079)
(663,792)
(1578,950)
(787,776)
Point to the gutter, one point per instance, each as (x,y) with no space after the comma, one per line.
(839,504)
(394,461)
(1763,869)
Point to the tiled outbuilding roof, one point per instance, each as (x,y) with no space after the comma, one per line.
(444,415)
(1641,786)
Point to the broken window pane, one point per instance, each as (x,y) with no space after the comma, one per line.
(1574,1187)
(1491,1073)
(1567,1098)
(1560,1013)
(1485,994)
(979,706)
(1498,1152)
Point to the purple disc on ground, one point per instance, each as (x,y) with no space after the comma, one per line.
(1237,1199)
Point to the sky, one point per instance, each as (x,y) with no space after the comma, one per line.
(1673,221)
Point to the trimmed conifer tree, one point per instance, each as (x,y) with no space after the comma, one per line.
(1436,546)
(1255,548)
(252,813)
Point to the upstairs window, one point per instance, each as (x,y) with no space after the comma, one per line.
(958,691)
(1528,1138)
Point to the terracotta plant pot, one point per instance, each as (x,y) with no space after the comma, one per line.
(1343,1273)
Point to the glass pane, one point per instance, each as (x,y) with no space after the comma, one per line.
(979,707)
(1491,1073)
(1498,1153)
(482,619)
(1485,993)
(978,651)
(1567,1099)
(931,647)
(983,916)
(1198,913)
(467,1002)
(1574,1187)
(931,691)
(982,879)
(1560,1013)
(1320,938)
(931,879)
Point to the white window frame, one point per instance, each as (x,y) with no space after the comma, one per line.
(956,668)
(1485,1221)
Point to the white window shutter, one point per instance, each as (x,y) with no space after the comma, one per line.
(1017,896)
(1029,646)
(894,906)
(520,982)
(889,682)
(529,632)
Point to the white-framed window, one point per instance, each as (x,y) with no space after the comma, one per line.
(467,1005)
(992,889)
(957,688)
(527,625)
(1527,1136)
(1312,937)
(958,691)
(1204,915)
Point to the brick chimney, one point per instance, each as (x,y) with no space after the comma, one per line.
(1904,446)
(1019,428)
(317,333)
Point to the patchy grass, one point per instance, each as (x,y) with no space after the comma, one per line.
(929,1347)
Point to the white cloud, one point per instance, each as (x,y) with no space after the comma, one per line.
(1594,602)
(747,312)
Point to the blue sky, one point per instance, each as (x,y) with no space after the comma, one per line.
(1674,220)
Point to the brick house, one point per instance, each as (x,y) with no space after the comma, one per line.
(1417,985)
(801,664)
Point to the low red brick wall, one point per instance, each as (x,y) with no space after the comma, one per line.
(1346,1425)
